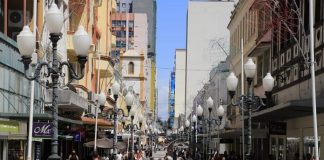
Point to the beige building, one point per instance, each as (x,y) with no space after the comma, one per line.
(180,78)
(284,128)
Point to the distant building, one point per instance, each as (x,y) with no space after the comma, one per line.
(180,79)
(171,104)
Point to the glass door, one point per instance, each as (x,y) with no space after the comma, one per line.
(278,147)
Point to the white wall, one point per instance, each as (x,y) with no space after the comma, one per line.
(207,22)
(140,33)
(180,65)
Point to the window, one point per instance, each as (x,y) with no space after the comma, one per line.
(123,5)
(131,68)
(318,11)
(306,16)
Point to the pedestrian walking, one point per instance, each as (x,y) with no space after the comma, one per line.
(119,156)
(73,156)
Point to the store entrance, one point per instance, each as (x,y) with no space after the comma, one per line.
(278,147)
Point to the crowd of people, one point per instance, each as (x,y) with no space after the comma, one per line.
(182,154)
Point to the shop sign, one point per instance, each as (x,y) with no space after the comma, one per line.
(42,129)
(9,126)
(277,128)
(38,151)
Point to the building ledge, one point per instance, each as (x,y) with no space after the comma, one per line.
(289,110)
(67,100)
(44,116)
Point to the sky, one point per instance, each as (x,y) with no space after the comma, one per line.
(171,35)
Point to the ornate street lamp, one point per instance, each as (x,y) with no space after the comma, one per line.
(249,102)
(26,44)
(115,91)
(129,98)
(220,114)
(132,135)
(100,103)
(194,121)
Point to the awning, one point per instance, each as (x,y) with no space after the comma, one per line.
(106,143)
(288,110)
(100,122)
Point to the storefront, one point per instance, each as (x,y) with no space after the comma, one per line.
(13,138)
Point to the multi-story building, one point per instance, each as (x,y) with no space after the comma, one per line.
(202,42)
(73,102)
(280,40)
(149,8)
(180,78)
(171,104)
(134,28)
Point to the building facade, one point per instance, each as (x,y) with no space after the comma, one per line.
(202,42)
(282,129)
(180,78)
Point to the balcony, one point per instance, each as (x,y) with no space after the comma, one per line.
(105,66)
(70,103)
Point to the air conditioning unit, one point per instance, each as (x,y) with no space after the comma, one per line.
(92,97)
(16,18)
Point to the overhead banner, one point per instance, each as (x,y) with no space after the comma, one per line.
(42,129)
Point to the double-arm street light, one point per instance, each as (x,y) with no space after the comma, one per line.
(115,91)
(249,102)
(26,42)
(101,100)
(220,113)
(194,121)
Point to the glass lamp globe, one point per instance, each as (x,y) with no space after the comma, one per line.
(249,68)
(129,98)
(194,118)
(54,19)
(200,111)
(187,123)
(210,103)
(81,42)
(102,98)
(116,88)
(26,42)
(220,111)
(231,82)
(268,83)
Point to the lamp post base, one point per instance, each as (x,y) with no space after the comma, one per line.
(54,157)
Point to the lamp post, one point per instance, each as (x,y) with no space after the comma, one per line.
(100,102)
(115,91)
(26,45)
(218,121)
(194,120)
(131,156)
(140,122)
(187,125)
(249,102)
(220,113)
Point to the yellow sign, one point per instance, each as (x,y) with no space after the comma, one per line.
(9,126)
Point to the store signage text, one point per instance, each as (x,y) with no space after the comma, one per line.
(42,129)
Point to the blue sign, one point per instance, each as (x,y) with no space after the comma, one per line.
(77,137)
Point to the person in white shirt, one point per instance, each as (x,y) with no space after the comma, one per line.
(119,156)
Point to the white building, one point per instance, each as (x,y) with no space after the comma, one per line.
(180,78)
(206,26)
(134,60)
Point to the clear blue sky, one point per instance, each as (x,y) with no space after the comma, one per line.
(171,35)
